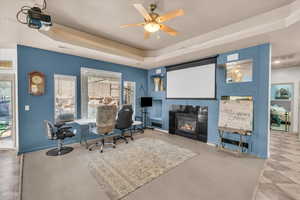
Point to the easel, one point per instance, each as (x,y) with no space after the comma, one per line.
(241,133)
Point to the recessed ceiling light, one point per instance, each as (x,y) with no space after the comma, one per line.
(277,62)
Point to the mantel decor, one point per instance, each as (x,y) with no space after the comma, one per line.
(36,81)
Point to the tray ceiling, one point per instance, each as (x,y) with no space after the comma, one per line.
(103,18)
(206,30)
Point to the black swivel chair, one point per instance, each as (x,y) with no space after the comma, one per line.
(124,121)
(58,132)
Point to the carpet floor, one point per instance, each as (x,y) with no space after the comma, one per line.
(129,167)
(209,175)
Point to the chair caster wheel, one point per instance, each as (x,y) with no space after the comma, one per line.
(114,147)
(90,149)
(101,151)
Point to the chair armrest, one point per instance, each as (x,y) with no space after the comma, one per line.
(59,124)
(65,128)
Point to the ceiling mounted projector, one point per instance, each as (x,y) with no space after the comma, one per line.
(34,17)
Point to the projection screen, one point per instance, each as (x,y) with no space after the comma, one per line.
(196,82)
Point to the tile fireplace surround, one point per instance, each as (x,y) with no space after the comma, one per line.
(189,121)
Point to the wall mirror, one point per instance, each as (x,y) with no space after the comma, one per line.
(240,71)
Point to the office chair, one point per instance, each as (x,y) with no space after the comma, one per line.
(124,121)
(105,124)
(58,132)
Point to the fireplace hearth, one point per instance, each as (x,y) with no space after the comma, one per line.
(189,121)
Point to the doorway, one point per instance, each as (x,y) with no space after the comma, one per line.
(282,97)
(7,111)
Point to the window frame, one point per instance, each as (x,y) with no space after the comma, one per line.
(84,73)
(134,94)
(74,78)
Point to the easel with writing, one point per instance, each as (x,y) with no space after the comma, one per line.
(241,133)
(235,117)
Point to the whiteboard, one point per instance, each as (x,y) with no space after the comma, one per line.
(236,114)
(192,82)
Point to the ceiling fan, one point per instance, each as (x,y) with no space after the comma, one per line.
(153,21)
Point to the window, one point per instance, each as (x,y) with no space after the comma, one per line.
(65,95)
(99,87)
(129,94)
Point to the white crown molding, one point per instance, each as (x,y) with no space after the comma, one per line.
(276,19)
(75,37)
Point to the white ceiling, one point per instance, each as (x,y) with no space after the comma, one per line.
(209,27)
(104,18)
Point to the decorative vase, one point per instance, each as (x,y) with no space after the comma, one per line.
(156,81)
(161,85)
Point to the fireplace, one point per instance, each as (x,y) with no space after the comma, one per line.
(189,121)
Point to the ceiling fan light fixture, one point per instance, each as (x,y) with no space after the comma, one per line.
(153,21)
(152,27)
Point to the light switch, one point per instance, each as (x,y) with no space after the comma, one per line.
(27,107)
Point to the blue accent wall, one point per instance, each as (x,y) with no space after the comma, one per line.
(258,89)
(31,132)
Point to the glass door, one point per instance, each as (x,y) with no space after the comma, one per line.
(7,116)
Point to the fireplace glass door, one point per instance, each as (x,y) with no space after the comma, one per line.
(186,122)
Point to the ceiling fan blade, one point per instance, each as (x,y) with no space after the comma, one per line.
(128,25)
(168,30)
(170,15)
(146,35)
(143,11)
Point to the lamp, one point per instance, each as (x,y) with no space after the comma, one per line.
(152,27)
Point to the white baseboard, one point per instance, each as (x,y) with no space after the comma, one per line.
(161,130)
(211,144)
(20,186)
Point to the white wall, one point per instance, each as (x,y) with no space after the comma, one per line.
(11,54)
(290,75)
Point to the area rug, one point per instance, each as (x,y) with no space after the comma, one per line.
(122,170)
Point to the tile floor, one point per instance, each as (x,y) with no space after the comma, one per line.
(280,179)
(6,143)
(9,175)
